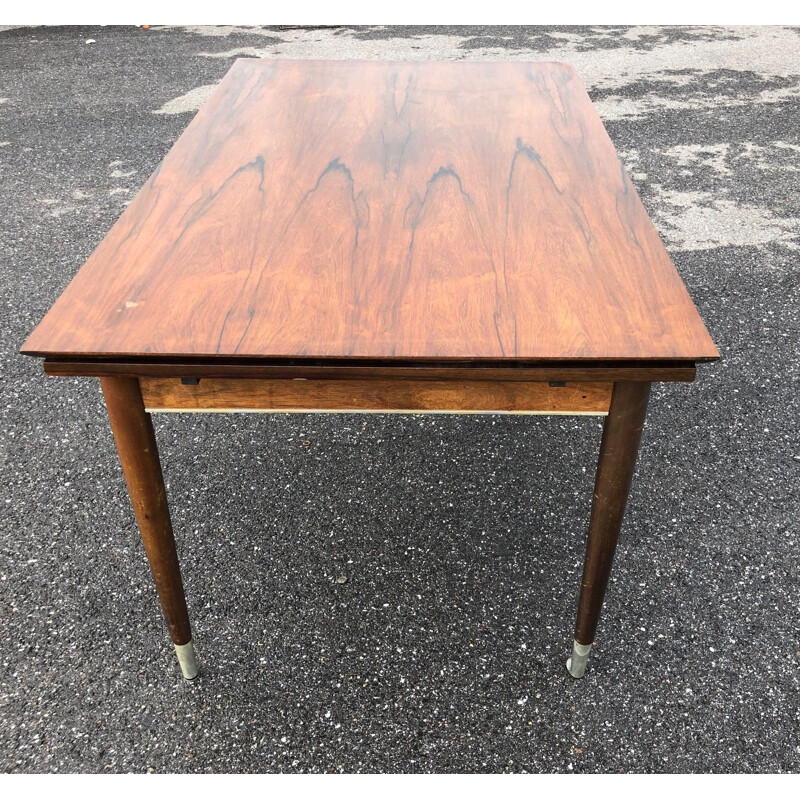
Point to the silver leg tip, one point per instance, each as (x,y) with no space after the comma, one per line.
(187,659)
(576,663)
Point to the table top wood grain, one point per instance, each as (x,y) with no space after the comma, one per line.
(408,212)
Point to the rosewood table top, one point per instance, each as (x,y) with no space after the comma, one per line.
(369,236)
(414,212)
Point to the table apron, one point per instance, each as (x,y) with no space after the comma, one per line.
(376,395)
(572,373)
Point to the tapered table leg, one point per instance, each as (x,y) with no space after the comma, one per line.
(621,435)
(136,445)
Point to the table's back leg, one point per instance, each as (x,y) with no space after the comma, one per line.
(621,435)
(136,445)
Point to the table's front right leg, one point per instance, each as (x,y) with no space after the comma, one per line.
(621,435)
(136,445)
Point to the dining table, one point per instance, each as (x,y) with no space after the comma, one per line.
(389,237)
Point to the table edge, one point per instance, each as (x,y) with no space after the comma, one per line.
(543,370)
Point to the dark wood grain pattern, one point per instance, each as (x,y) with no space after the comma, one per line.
(384,210)
(373,394)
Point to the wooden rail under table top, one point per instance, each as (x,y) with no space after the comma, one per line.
(375,395)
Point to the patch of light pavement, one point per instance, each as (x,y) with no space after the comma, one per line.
(222,31)
(80,200)
(712,155)
(721,157)
(701,220)
(191,101)
(695,220)
(615,107)
(770,157)
(769,52)
(762,50)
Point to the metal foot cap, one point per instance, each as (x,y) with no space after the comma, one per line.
(187,659)
(576,663)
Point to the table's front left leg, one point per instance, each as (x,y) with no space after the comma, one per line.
(136,445)
(622,433)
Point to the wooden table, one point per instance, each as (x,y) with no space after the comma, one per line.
(370,236)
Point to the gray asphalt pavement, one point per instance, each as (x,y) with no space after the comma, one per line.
(461,538)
